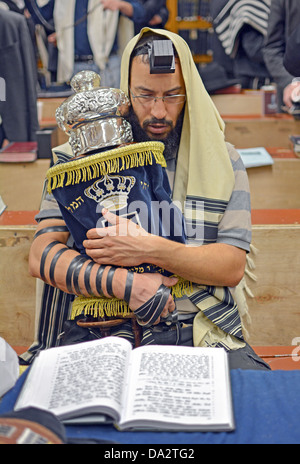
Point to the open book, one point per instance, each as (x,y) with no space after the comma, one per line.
(152,387)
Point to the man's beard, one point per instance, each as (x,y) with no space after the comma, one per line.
(172,140)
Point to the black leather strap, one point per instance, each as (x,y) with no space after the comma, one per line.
(76,273)
(71,270)
(87,275)
(149,312)
(53,264)
(109,280)
(47,230)
(99,280)
(128,286)
(171,319)
(44,257)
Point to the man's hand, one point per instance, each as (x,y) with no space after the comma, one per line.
(121,244)
(291,90)
(123,6)
(155,21)
(112,5)
(52,38)
(145,286)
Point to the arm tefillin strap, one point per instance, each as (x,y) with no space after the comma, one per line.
(76,262)
(76,273)
(53,264)
(44,257)
(146,315)
(128,286)
(99,280)
(48,230)
(109,280)
(150,311)
(87,275)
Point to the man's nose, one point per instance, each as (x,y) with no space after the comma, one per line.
(159,110)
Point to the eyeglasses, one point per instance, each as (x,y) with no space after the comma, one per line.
(147,100)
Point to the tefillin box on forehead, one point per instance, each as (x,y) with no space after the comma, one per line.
(162,57)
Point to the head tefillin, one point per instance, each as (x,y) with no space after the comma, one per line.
(162,57)
(160,51)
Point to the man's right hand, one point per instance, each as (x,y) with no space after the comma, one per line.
(289,91)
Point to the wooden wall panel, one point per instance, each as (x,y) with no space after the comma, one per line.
(277,186)
(275,308)
(17,287)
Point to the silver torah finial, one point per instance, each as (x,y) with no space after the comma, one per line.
(93,116)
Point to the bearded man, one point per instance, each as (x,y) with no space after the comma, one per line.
(210,183)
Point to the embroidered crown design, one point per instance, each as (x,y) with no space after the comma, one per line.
(111,192)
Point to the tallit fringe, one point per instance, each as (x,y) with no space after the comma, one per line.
(113,307)
(182,288)
(243,290)
(99,307)
(109,162)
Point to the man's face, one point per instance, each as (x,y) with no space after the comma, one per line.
(157,118)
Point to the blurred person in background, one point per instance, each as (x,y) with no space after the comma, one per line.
(86,36)
(155,13)
(283,20)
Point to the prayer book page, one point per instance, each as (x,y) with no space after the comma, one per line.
(178,388)
(79,380)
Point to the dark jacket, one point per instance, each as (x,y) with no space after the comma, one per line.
(152,8)
(283,20)
(18,69)
(248,64)
(291,59)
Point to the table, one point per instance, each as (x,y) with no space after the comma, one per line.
(266,406)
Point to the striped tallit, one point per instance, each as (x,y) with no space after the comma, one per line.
(235,15)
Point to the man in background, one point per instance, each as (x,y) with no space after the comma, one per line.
(283,20)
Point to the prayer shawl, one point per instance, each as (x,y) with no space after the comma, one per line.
(131,182)
(235,15)
(102,29)
(204,179)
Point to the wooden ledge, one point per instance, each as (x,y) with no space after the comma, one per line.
(276,217)
(18,218)
(279,357)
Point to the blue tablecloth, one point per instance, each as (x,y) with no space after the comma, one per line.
(266,407)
